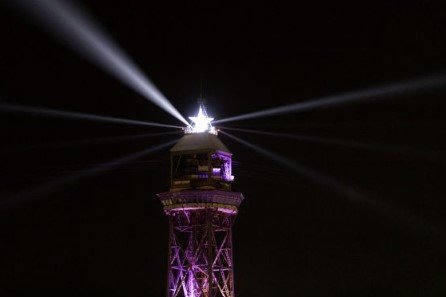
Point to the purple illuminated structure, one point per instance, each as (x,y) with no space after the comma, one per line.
(201,209)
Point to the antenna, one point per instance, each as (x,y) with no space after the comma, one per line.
(201,85)
(201,100)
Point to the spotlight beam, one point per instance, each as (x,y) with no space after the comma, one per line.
(40,111)
(79,31)
(83,142)
(354,196)
(376,93)
(347,143)
(33,193)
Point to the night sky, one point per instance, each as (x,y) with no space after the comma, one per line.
(106,235)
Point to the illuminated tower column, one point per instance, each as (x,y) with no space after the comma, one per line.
(201,209)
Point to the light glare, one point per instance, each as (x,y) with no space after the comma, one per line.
(201,123)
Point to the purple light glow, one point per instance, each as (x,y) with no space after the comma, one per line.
(200,261)
(226,169)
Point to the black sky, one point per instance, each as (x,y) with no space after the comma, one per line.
(107,236)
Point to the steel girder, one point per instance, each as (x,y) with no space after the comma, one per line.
(200,253)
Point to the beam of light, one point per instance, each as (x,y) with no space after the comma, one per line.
(376,93)
(78,30)
(40,111)
(33,193)
(84,142)
(348,125)
(348,143)
(352,195)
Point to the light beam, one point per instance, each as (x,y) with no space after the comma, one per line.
(83,142)
(77,29)
(40,111)
(33,193)
(375,93)
(348,143)
(354,196)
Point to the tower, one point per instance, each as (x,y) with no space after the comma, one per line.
(201,209)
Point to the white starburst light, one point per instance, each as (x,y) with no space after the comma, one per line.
(201,123)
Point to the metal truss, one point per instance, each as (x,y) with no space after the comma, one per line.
(200,253)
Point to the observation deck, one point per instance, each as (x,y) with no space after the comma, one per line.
(200,171)
(189,200)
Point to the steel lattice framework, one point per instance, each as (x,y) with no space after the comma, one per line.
(201,253)
(200,262)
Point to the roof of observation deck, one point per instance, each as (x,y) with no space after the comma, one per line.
(199,142)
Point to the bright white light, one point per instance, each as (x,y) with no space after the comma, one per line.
(201,123)
(78,30)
